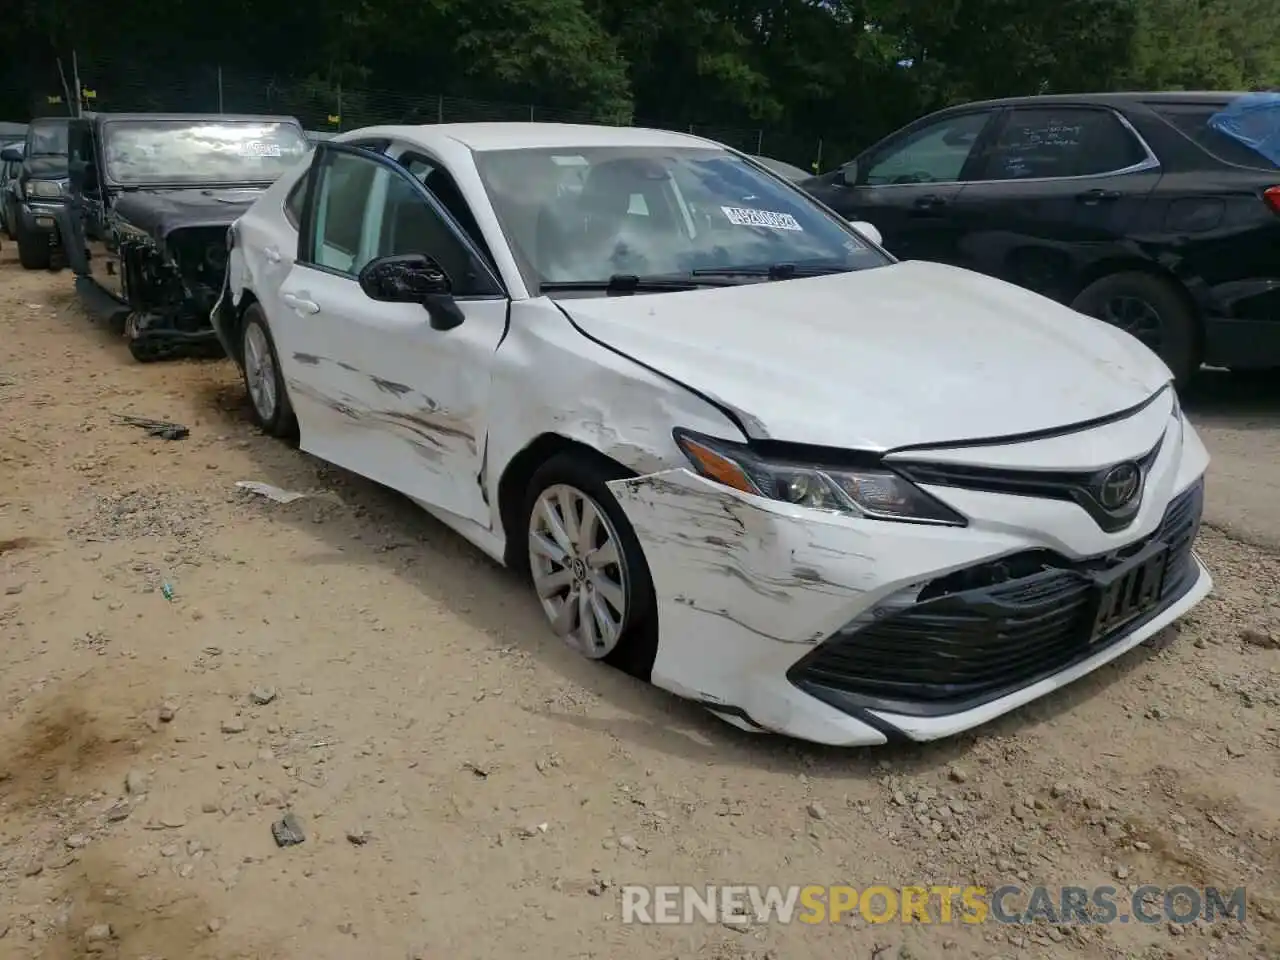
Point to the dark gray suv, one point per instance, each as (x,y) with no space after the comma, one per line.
(33,202)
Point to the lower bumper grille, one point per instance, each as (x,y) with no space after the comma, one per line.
(961,645)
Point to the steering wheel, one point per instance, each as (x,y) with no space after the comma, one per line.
(920,176)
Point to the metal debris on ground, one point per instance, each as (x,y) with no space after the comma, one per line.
(288,831)
(268,491)
(164,429)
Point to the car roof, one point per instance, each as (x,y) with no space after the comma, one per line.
(784,168)
(1111,99)
(215,117)
(482,137)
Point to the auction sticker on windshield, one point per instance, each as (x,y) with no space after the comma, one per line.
(746,217)
(259,148)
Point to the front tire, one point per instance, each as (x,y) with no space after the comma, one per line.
(586,564)
(263,379)
(1153,309)
(34,252)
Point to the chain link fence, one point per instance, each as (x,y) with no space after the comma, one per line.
(149,87)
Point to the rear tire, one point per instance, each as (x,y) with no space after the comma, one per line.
(263,380)
(1154,309)
(564,479)
(34,252)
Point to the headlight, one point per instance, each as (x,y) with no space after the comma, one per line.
(873,492)
(47,189)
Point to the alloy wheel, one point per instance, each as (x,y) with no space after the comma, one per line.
(579,570)
(260,372)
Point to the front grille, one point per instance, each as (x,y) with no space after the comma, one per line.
(1080,487)
(980,633)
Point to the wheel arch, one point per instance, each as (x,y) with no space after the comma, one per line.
(1113,265)
(514,482)
(236,333)
(1188,350)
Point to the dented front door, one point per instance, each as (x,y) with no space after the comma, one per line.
(375,387)
(377,390)
(92,202)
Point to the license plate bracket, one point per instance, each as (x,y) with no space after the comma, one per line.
(1129,590)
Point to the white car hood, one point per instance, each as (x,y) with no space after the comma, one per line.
(883,358)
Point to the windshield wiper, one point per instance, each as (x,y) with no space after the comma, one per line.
(621,283)
(774,271)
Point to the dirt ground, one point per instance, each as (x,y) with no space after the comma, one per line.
(468,787)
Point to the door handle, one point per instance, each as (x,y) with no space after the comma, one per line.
(299,304)
(271,253)
(1091,197)
(929,203)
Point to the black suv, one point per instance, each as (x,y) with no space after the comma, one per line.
(1130,207)
(37,194)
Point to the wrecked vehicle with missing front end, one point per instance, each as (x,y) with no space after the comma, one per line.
(151,198)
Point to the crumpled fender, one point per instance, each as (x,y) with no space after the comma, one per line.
(713,550)
(744,587)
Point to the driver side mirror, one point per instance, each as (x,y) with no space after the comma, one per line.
(11,154)
(413,278)
(868,230)
(849,174)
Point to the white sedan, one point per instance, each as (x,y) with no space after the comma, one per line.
(739,449)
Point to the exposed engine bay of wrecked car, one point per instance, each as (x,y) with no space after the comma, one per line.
(172,251)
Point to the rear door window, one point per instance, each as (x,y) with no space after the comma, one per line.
(1050,142)
(1192,119)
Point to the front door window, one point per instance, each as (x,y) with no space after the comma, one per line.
(936,153)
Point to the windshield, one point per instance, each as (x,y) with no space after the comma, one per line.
(47,139)
(200,151)
(585,215)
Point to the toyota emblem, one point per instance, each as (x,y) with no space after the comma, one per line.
(1119,486)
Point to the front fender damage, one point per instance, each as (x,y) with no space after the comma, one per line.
(744,589)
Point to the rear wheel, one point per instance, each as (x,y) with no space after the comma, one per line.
(263,379)
(1153,309)
(587,566)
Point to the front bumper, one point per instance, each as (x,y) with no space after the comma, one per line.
(40,216)
(820,626)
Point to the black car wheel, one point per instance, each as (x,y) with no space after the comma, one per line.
(34,252)
(263,379)
(1153,309)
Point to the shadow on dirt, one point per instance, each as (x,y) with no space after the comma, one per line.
(63,760)
(1237,400)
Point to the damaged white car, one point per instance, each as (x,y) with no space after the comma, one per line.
(740,449)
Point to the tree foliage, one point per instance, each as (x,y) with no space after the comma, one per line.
(840,71)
